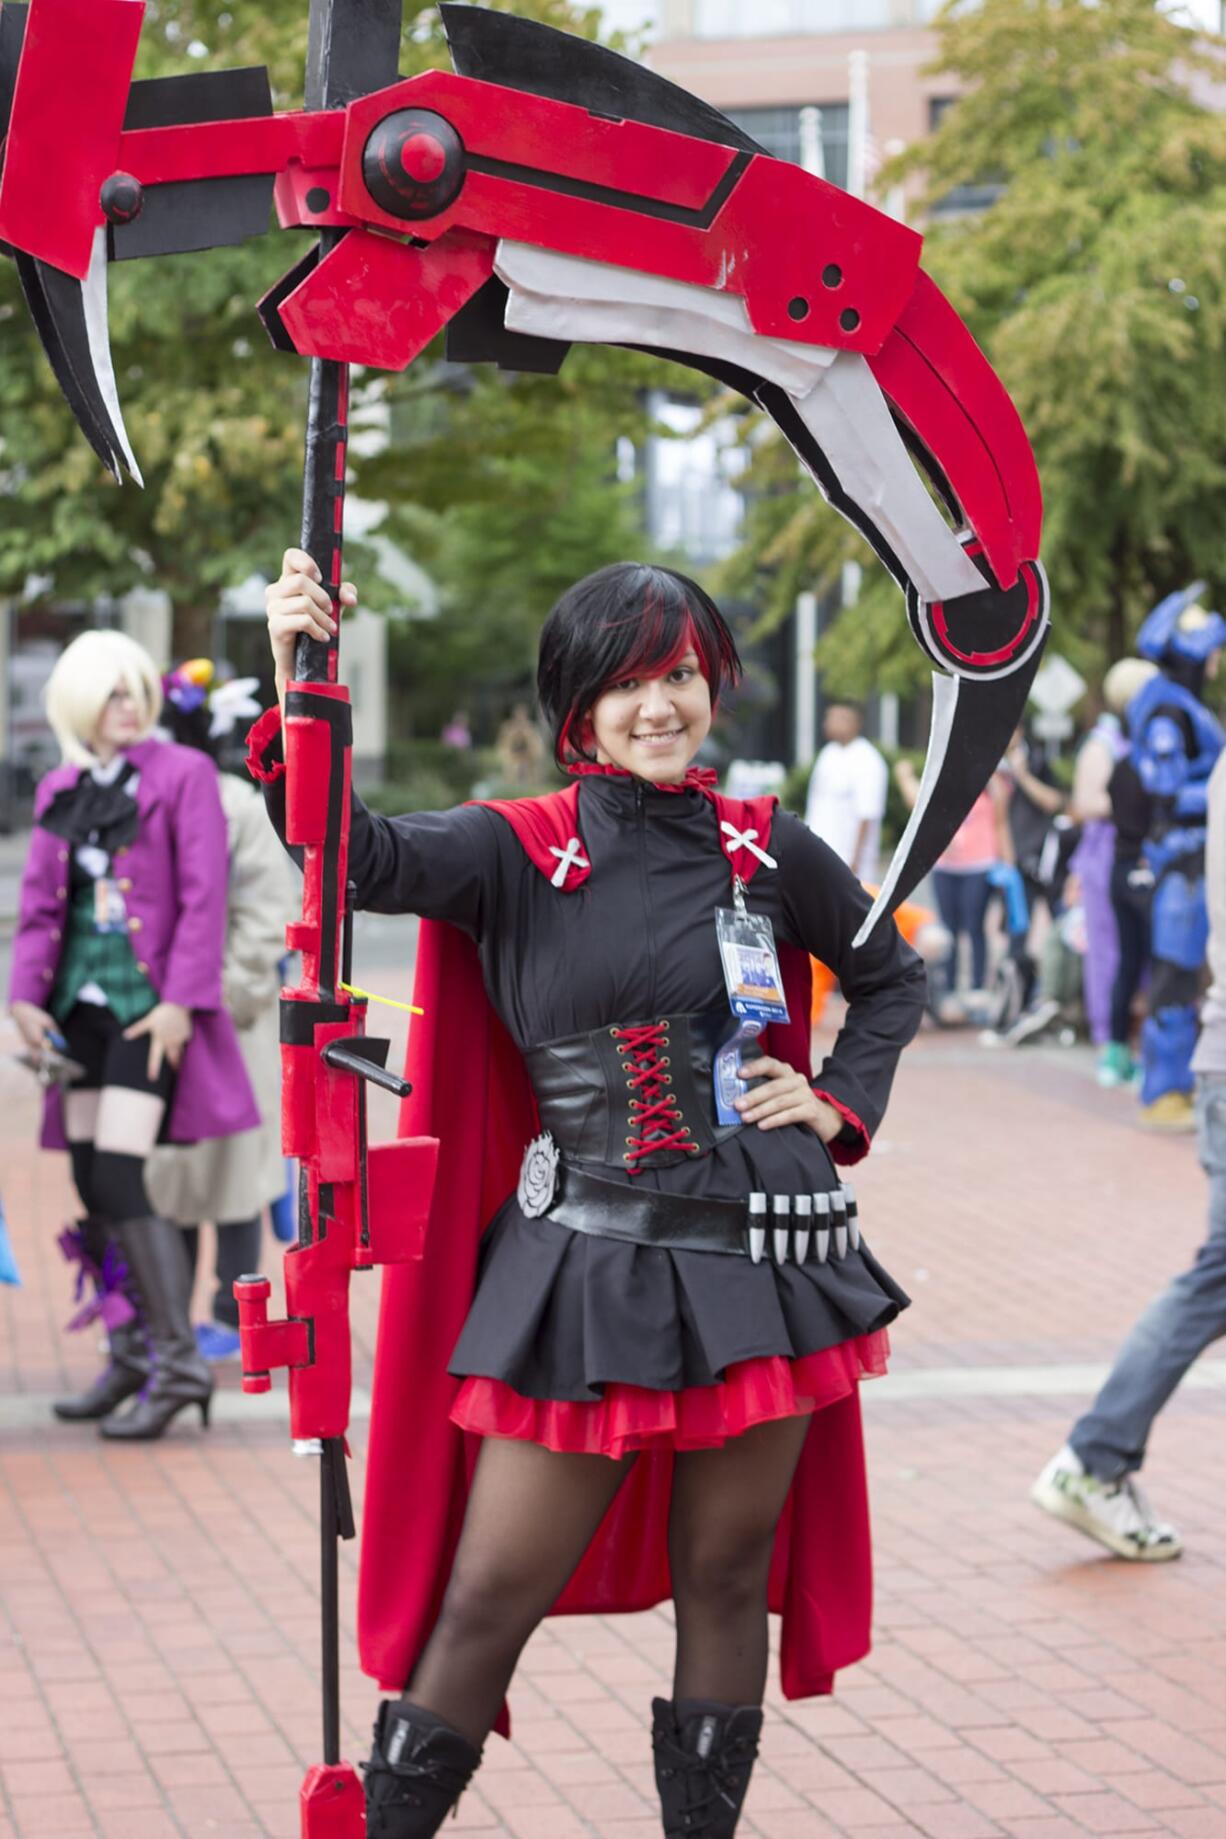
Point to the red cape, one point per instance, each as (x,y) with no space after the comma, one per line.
(470,1090)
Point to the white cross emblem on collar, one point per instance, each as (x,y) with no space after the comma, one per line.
(746,839)
(568,858)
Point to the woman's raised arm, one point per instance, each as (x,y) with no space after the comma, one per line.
(440,864)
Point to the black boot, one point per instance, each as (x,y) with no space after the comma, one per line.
(704,1754)
(158,1265)
(418,1769)
(93,1245)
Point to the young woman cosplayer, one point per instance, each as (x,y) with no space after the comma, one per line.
(118,954)
(623,1299)
(230,1180)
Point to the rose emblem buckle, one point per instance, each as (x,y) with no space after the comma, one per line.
(538,1177)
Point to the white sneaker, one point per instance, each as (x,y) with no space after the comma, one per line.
(1033,1023)
(1116,1513)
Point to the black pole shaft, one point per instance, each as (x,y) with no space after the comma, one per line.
(329,1594)
(323,502)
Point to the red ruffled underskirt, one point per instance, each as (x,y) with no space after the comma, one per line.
(701,1417)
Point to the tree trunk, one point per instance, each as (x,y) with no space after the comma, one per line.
(194,632)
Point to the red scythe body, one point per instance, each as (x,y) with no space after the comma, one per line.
(543,192)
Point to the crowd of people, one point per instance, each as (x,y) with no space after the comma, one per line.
(1045,896)
(1130,867)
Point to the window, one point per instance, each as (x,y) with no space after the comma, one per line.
(778,130)
(976,196)
(693,505)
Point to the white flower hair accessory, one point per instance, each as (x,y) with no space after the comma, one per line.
(231,703)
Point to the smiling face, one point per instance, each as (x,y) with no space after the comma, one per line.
(632,664)
(653,726)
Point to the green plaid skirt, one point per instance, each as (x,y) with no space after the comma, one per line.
(104,958)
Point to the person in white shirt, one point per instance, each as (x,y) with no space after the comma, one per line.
(847,791)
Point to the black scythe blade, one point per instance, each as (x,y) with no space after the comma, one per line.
(57,307)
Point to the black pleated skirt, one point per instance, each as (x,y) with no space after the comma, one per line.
(562,1315)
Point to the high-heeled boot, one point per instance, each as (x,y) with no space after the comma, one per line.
(418,1769)
(92,1245)
(704,1754)
(158,1266)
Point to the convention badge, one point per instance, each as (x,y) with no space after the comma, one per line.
(754,985)
(751,965)
(727,1069)
(110,913)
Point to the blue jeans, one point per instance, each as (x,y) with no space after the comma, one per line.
(962,900)
(1178,1325)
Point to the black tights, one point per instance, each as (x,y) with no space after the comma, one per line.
(110,1184)
(721,1532)
(532,1514)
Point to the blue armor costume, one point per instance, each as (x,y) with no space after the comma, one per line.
(1175,742)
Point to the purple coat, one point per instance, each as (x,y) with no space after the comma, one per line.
(174,878)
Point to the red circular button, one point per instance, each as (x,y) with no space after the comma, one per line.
(423,158)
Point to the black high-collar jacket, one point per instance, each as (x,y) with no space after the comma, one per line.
(637,941)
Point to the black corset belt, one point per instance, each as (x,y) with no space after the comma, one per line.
(800,1228)
(634,1096)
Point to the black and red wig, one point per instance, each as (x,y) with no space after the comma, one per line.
(631,619)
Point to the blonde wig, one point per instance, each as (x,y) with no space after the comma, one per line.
(1126,680)
(86,674)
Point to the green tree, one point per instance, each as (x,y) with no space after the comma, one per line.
(502,486)
(214,414)
(1094,282)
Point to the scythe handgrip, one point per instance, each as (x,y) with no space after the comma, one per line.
(323,497)
(345,1062)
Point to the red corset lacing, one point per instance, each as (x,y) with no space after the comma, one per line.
(654,1109)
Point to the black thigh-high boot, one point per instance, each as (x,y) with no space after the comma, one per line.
(418,1769)
(128,1367)
(158,1265)
(704,1754)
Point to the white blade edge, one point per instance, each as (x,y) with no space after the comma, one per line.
(97,330)
(839,399)
(558,296)
(848,417)
(945,692)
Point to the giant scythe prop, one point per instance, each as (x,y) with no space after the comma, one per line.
(543,192)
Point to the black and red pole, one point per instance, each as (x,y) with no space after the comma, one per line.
(326,1055)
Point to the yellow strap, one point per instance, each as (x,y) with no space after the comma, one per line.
(351,989)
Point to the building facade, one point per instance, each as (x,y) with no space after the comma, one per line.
(862,64)
(836,86)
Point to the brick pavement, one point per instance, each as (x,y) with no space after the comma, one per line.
(158,1604)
